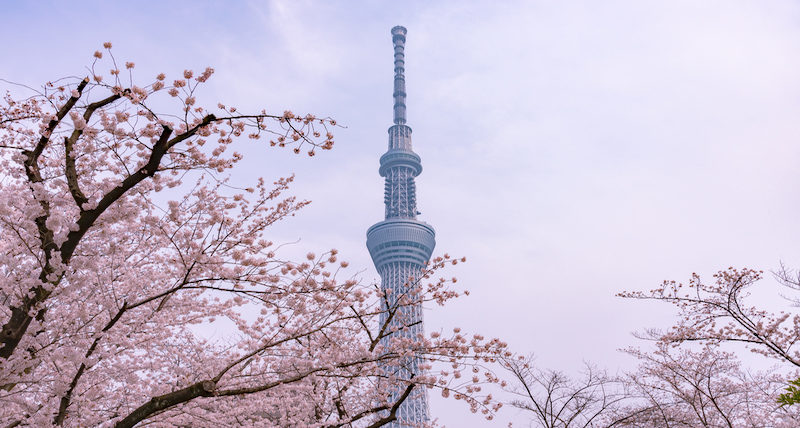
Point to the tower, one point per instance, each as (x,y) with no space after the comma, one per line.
(401,245)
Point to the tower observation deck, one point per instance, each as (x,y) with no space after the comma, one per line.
(401,245)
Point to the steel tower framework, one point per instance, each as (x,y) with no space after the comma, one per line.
(401,245)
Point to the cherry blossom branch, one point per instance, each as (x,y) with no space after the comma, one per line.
(392,416)
(706,304)
(208,388)
(33,157)
(64,402)
(69,143)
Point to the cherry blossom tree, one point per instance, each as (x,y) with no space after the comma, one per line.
(676,387)
(671,387)
(123,242)
(688,380)
(719,312)
(556,400)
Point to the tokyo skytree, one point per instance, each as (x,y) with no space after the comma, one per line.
(401,245)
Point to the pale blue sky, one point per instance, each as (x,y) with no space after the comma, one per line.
(571,149)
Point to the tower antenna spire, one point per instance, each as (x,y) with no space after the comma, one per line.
(399,41)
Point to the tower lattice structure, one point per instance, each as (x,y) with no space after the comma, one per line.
(401,245)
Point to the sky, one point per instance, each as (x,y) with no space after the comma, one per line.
(571,149)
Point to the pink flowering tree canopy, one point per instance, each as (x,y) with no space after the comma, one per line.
(688,378)
(122,241)
(671,387)
(718,311)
